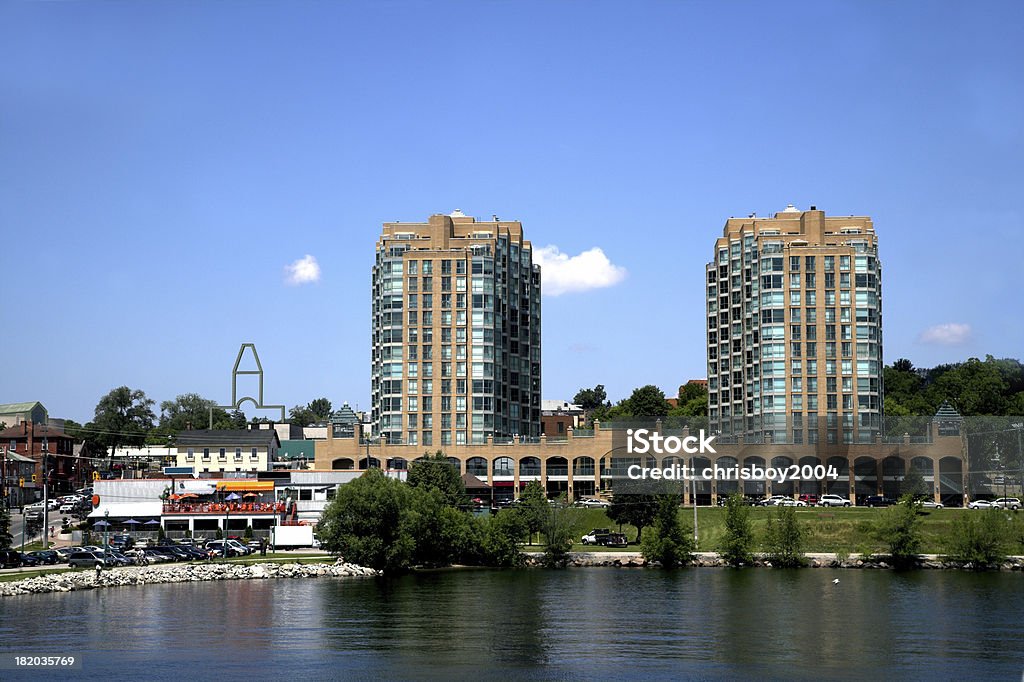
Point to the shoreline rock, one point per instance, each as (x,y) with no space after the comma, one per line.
(177,573)
(817,560)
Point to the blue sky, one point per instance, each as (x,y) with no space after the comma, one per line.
(162,163)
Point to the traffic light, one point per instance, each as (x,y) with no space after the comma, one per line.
(95,475)
(21,482)
(35,477)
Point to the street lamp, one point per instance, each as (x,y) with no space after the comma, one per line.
(106,529)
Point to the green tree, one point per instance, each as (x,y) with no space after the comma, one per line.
(738,544)
(899,527)
(635,509)
(668,545)
(559,532)
(301,416)
(784,539)
(647,401)
(368,523)
(533,508)
(441,532)
(980,539)
(499,538)
(122,417)
(973,387)
(321,407)
(692,401)
(5,528)
(191,410)
(913,484)
(590,398)
(437,473)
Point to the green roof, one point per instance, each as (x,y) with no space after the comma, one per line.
(12,408)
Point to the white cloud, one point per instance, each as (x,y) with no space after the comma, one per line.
(302,271)
(563,274)
(948,334)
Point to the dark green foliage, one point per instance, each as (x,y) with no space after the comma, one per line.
(784,539)
(738,544)
(899,527)
(634,509)
(369,523)
(668,544)
(647,401)
(991,386)
(533,508)
(590,398)
(913,484)
(981,539)
(437,473)
(122,417)
(388,525)
(191,410)
(559,533)
(321,409)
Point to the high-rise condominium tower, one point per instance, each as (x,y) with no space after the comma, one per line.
(456,332)
(794,329)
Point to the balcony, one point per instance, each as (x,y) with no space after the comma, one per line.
(221,508)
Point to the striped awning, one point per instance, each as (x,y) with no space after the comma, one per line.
(246,485)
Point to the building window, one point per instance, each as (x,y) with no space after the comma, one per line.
(191,454)
(255,454)
(222,455)
(206,454)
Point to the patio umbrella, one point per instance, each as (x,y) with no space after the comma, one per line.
(251,495)
(233,497)
(132,522)
(187,495)
(101,523)
(151,522)
(175,497)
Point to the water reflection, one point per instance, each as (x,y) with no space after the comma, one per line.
(574,624)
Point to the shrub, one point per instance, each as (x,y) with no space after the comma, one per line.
(980,539)
(668,544)
(899,527)
(738,544)
(784,539)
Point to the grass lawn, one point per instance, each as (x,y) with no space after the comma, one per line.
(833,529)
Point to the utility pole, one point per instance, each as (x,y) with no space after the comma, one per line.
(46,503)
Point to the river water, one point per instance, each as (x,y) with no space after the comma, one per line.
(577,624)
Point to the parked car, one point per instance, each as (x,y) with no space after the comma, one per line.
(772,501)
(9,558)
(980,504)
(929,504)
(62,554)
(46,556)
(833,501)
(83,558)
(724,500)
(809,499)
(1006,503)
(118,559)
(29,560)
(879,501)
(154,555)
(68,508)
(233,548)
(790,502)
(593,503)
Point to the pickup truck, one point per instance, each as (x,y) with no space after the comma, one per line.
(604,537)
